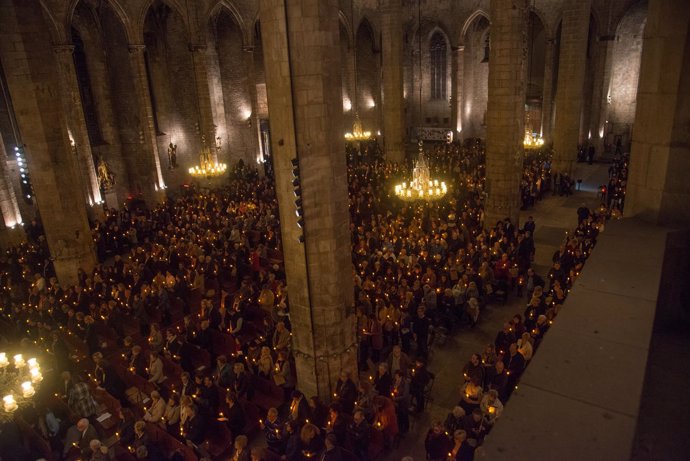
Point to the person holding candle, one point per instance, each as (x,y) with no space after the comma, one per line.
(171,417)
(234,414)
(80,436)
(436,443)
(273,431)
(491,408)
(337,423)
(462,450)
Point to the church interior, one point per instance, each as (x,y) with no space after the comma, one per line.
(344,230)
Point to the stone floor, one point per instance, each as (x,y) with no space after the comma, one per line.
(554,216)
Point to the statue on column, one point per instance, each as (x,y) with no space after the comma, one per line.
(106,178)
(172,156)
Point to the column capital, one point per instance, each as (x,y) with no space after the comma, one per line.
(248,48)
(195,47)
(63,48)
(136,48)
(459,48)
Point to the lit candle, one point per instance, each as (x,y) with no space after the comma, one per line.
(27,389)
(9,403)
(36,375)
(3,360)
(19,361)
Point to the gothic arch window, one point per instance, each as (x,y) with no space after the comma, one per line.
(437,51)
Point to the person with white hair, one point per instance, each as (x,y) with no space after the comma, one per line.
(99,452)
(80,436)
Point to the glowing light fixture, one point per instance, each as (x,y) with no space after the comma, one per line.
(423,186)
(207,167)
(358,133)
(18,383)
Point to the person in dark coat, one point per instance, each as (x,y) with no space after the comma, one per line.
(299,408)
(234,415)
(194,427)
(346,392)
(436,444)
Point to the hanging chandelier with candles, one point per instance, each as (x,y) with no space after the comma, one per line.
(423,186)
(358,133)
(18,383)
(207,167)
(532,141)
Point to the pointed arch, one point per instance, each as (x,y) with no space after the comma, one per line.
(119,11)
(234,11)
(174,5)
(57,34)
(366,21)
(346,24)
(479,13)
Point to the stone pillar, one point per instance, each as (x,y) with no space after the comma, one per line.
(658,189)
(598,103)
(32,78)
(571,79)
(456,76)
(76,125)
(601,117)
(351,85)
(391,68)
(207,128)
(149,181)
(301,53)
(13,232)
(506,110)
(547,95)
(253,121)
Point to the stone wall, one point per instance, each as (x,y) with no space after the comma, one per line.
(368,78)
(236,91)
(627,51)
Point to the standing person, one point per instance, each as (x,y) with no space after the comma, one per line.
(436,443)
(80,400)
(421,327)
(420,378)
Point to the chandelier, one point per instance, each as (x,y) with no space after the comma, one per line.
(422,187)
(357,134)
(532,140)
(207,167)
(17,383)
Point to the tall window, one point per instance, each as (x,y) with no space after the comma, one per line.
(438,66)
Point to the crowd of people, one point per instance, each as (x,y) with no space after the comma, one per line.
(181,333)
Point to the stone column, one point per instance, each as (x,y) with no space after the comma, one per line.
(13,232)
(658,188)
(253,121)
(547,95)
(506,110)
(351,85)
(32,78)
(150,181)
(457,71)
(598,104)
(600,117)
(76,124)
(391,68)
(571,79)
(207,128)
(301,52)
